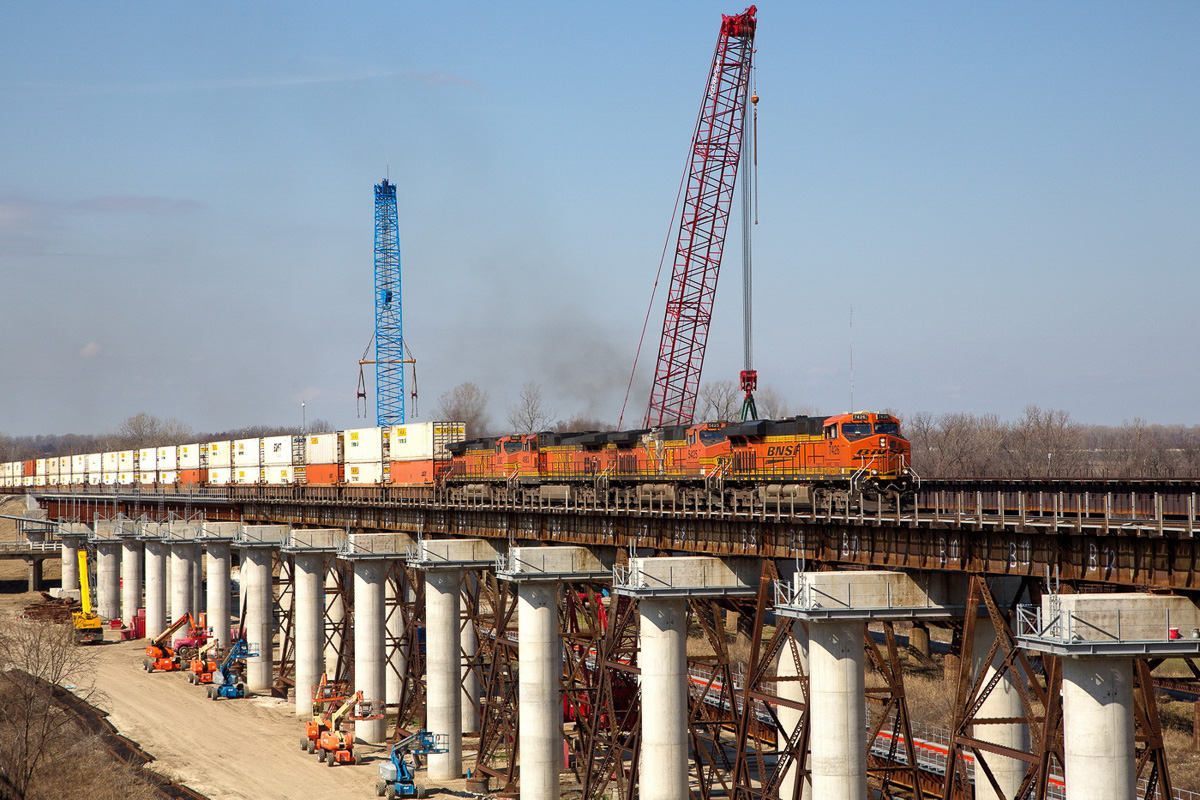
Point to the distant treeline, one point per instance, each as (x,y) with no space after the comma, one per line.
(142,430)
(1041,444)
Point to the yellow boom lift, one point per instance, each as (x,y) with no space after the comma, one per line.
(86,621)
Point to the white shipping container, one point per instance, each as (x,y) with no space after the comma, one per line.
(364,472)
(125,478)
(147,477)
(246,474)
(219,476)
(80,478)
(108,478)
(279,474)
(52,480)
(424,440)
(364,445)
(110,461)
(39,480)
(218,456)
(93,478)
(51,468)
(40,467)
(28,480)
(245,452)
(277,451)
(148,459)
(167,458)
(92,462)
(79,465)
(64,466)
(321,448)
(189,456)
(126,462)
(167,476)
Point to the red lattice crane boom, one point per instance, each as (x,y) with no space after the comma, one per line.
(716,151)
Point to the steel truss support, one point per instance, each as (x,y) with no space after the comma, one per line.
(408,600)
(498,731)
(282,573)
(892,766)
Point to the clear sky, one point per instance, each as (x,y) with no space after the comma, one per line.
(1008,194)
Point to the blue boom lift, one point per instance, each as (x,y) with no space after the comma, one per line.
(226,681)
(397,775)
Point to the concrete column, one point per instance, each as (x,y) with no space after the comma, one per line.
(309,574)
(197,579)
(260,619)
(1003,703)
(918,639)
(218,557)
(369,642)
(662,656)
(539,702)
(37,581)
(1098,728)
(70,564)
(837,695)
(471,716)
(789,718)
(131,579)
(394,626)
(108,580)
(335,610)
(444,705)
(156,587)
(181,579)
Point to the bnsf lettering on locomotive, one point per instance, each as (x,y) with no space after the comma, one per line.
(782,450)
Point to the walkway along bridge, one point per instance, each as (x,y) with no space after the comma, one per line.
(997,545)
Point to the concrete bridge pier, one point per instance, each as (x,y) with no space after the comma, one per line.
(837,606)
(538,572)
(257,544)
(443,562)
(1098,636)
(182,552)
(218,547)
(792,665)
(310,550)
(369,639)
(71,536)
(108,578)
(131,578)
(156,585)
(662,586)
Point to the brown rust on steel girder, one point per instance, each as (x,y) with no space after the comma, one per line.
(499,732)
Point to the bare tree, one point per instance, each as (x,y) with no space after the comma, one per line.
(147,430)
(530,414)
(35,656)
(720,400)
(1043,443)
(771,404)
(466,403)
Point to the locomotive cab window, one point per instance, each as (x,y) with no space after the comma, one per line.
(887,428)
(831,431)
(853,431)
(513,447)
(709,438)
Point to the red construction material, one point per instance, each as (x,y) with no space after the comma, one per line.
(716,152)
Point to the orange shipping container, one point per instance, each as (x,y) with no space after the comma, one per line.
(412,473)
(191,477)
(323,473)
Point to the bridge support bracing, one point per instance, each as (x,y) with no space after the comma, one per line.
(308,621)
(369,640)
(131,579)
(469,648)
(394,597)
(108,578)
(335,622)
(257,599)
(1002,702)
(182,556)
(156,586)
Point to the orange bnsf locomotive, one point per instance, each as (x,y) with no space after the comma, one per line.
(846,461)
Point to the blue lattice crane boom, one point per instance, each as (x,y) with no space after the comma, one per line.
(388,338)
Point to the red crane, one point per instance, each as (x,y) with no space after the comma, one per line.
(716,151)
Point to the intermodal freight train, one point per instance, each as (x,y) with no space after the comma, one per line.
(847,460)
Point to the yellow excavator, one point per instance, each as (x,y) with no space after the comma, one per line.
(86,621)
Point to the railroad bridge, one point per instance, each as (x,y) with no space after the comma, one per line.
(558,633)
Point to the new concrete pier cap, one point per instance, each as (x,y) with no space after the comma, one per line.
(219,530)
(72,529)
(263,535)
(324,540)
(1125,624)
(377,545)
(453,554)
(685,576)
(869,594)
(550,563)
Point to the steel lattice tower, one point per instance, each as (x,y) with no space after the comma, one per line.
(389,330)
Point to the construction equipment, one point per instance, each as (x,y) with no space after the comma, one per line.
(204,664)
(86,621)
(715,154)
(327,695)
(397,778)
(335,745)
(164,655)
(226,679)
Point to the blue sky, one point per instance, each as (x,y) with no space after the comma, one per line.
(1005,193)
